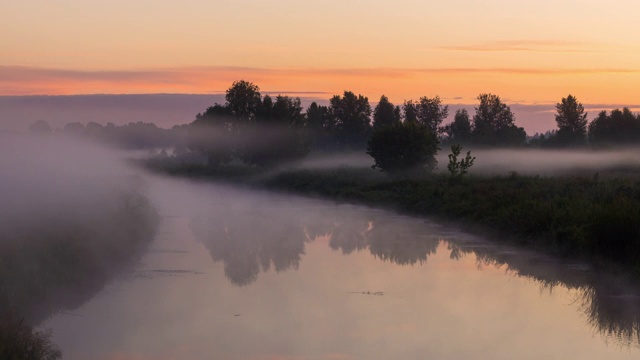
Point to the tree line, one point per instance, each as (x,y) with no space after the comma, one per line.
(264,131)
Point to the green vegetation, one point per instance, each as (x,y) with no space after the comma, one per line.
(593,219)
(494,124)
(458,168)
(571,216)
(403,148)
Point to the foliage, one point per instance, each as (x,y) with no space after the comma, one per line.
(494,123)
(20,342)
(385,113)
(569,216)
(352,118)
(572,122)
(403,148)
(431,112)
(458,168)
(459,130)
(619,127)
(320,124)
(427,111)
(40,127)
(243,100)
(253,129)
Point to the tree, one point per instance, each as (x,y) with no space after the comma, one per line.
(288,110)
(431,112)
(410,111)
(458,168)
(40,127)
(277,135)
(352,116)
(494,123)
(403,148)
(572,122)
(320,124)
(619,127)
(214,135)
(459,130)
(243,100)
(385,113)
(253,129)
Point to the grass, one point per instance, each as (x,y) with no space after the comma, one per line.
(585,217)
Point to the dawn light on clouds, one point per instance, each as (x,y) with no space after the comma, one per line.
(528,52)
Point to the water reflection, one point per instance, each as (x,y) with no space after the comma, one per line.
(250,242)
(252,238)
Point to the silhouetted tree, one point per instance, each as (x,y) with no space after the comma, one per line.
(619,127)
(458,168)
(75,128)
(494,123)
(572,122)
(320,124)
(459,130)
(431,112)
(403,147)
(243,100)
(385,113)
(213,135)
(410,111)
(256,130)
(352,116)
(288,110)
(40,127)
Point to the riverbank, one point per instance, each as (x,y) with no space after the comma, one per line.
(593,218)
(57,263)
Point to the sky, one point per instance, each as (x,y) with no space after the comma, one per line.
(527,52)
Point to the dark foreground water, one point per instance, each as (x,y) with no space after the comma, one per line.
(239,274)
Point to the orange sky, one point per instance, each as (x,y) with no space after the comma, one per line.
(526,52)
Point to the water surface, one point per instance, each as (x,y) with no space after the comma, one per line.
(240,274)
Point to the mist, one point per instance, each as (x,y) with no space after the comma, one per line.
(502,161)
(73,215)
(546,162)
(97,248)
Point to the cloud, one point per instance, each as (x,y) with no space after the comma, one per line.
(23,80)
(526,45)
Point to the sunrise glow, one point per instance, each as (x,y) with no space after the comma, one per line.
(528,53)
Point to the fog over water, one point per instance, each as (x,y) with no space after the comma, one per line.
(235,273)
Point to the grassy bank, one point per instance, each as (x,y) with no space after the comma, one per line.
(596,218)
(585,217)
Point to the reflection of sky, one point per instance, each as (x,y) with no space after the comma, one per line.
(440,309)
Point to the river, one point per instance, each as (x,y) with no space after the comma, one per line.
(245,274)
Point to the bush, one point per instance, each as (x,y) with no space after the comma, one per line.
(402,148)
(19,342)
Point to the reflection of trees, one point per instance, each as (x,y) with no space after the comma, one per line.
(249,242)
(612,309)
(396,240)
(610,303)
(252,240)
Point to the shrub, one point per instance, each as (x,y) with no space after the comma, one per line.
(407,147)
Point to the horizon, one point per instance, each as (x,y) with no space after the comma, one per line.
(169,109)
